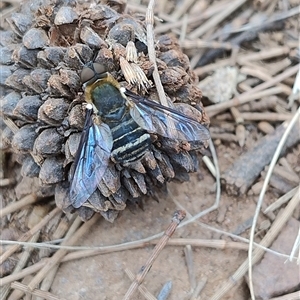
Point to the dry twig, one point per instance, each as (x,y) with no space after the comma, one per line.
(258,252)
(190,266)
(238,177)
(35,292)
(74,234)
(292,296)
(264,188)
(280,201)
(29,199)
(151,52)
(243,58)
(177,218)
(142,289)
(201,284)
(244,98)
(22,262)
(216,19)
(29,234)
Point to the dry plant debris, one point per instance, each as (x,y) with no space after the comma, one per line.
(243,55)
(43,96)
(266,273)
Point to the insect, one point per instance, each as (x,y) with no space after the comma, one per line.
(117,127)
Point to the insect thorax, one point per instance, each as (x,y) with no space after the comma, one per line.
(109,102)
(130,141)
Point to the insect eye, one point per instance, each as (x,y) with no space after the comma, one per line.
(86,74)
(92,71)
(99,69)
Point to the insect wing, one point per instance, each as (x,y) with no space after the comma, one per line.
(91,163)
(165,121)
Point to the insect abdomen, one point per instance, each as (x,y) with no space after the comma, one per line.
(130,141)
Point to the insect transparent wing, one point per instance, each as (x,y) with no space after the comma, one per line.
(165,121)
(91,164)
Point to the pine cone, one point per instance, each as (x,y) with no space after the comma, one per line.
(45,50)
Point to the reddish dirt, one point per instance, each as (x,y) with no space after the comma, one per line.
(104,274)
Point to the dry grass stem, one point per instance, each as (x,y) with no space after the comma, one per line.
(283,161)
(264,77)
(240,130)
(62,228)
(284,173)
(48,280)
(51,272)
(296,248)
(142,289)
(209,165)
(243,58)
(265,127)
(264,24)
(195,19)
(243,98)
(29,234)
(11,125)
(233,236)
(264,188)
(212,22)
(180,10)
(17,294)
(35,292)
(190,265)
(136,7)
(241,134)
(183,29)
(264,55)
(25,272)
(263,46)
(27,200)
(161,5)
(88,251)
(258,252)
(22,262)
(279,66)
(74,234)
(198,44)
(177,218)
(236,115)
(200,286)
(216,244)
(280,201)
(7,181)
(224,137)
(292,296)
(268,116)
(173,25)
(263,104)
(151,52)
(60,232)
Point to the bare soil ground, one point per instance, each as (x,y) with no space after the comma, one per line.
(103,276)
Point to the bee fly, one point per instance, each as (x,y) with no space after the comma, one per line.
(119,130)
